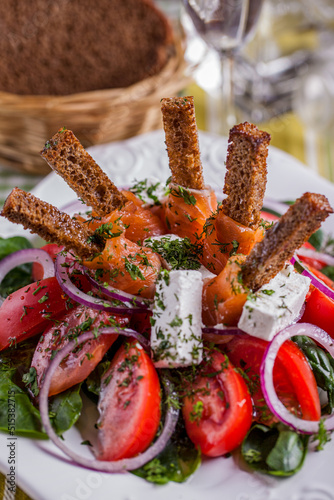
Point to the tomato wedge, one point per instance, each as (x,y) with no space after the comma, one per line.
(30,310)
(129,404)
(218,409)
(293,378)
(78,365)
(52,249)
(319,311)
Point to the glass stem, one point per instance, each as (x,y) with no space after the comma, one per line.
(227,93)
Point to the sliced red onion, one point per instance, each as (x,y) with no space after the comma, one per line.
(317,282)
(267,382)
(127,332)
(62,275)
(23,257)
(118,294)
(222,330)
(103,466)
(219,334)
(328,260)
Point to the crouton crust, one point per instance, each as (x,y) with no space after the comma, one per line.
(246,174)
(269,256)
(66,156)
(49,223)
(178,114)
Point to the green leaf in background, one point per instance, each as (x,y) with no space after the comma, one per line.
(179,460)
(328,271)
(316,239)
(64,408)
(277,450)
(322,365)
(19,276)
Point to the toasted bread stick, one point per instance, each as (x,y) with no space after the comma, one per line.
(269,256)
(178,115)
(246,174)
(66,156)
(49,223)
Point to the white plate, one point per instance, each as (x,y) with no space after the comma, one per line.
(43,471)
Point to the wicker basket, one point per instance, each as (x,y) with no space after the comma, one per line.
(96,117)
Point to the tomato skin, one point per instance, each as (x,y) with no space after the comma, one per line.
(317,272)
(77,366)
(22,315)
(37,270)
(293,378)
(267,216)
(319,311)
(129,404)
(227,408)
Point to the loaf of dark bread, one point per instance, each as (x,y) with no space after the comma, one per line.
(67,46)
(49,223)
(181,137)
(246,174)
(269,256)
(66,155)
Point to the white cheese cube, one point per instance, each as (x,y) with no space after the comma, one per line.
(275,305)
(176,336)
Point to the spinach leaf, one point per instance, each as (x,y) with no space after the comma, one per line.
(316,239)
(26,416)
(13,244)
(93,381)
(328,271)
(20,275)
(278,450)
(65,409)
(15,400)
(175,463)
(322,365)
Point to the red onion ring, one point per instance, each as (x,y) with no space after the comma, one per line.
(222,330)
(103,466)
(220,334)
(23,257)
(118,294)
(267,382)
(127,332)
(83,298)
(328,260)
(317,282)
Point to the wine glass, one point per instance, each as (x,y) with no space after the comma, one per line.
(225,26)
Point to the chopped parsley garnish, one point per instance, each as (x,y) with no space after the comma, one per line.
(181,192)
(103,233)
(180,253)
(144,190)
(133,270)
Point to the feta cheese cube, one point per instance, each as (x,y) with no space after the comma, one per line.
(275,305)
(176,336)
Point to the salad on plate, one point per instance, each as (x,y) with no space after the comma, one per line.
(193,326)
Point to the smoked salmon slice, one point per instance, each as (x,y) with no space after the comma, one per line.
(123,263)
(186,211)
(224,237)
(224,296)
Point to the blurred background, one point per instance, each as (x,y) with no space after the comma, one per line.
(283,81)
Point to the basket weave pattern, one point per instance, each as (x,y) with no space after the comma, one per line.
(27,122)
